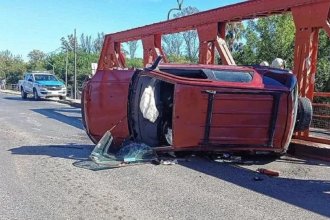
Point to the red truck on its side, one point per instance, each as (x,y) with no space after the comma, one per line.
(196,107)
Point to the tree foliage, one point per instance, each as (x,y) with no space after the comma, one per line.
(37,60)
(266,39)
(234,35)
(272,37)
(182,45)
(132,47)
(322,78)
(12,67)
(133,63)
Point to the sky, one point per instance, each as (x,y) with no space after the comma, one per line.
(26,25)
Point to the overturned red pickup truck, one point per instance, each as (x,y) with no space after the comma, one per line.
(196,107)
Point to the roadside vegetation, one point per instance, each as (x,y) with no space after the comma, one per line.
(250,42)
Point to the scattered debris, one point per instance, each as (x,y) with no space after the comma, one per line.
(226,155)
(235,159)
(268,172)
(228,158)
(169,162)
(257,178)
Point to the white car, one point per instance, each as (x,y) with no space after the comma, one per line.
(41,85)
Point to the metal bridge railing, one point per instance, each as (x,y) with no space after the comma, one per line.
(320,127)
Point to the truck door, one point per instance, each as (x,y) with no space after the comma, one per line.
(29,83)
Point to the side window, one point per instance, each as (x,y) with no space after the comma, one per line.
(232,76)
(30,78)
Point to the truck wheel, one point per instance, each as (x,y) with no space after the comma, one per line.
(35,95)
(304,114)
(23,94)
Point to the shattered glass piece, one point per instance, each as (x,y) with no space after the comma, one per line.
(169,136)
(100,153)
(103,157)
(91,165)
(134,152)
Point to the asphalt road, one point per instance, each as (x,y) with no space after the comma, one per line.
(40,141)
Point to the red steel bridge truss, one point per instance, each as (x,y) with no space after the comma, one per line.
(309,17)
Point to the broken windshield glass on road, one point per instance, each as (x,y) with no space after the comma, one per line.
(104,156)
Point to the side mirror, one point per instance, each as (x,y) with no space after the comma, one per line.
(30,80)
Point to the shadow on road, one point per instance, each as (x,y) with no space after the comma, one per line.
(70,116)
(69,151)
(309,194)
(312,195)
(30,99)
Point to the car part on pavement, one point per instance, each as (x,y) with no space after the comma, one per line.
(268,172)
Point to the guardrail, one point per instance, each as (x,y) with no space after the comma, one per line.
(319,131)
(9,87)
(321,111)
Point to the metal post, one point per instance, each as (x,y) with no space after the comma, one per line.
(52,66)
(75,65)
(66,69)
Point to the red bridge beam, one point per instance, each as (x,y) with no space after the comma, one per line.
(236,12)
(111,56)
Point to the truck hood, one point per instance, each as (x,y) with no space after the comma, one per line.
(50,83)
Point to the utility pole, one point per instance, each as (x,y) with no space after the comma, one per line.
(75,65)
(66,68)
(52,66)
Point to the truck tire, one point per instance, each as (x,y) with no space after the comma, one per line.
(23,94)
(304,114)
(35,95)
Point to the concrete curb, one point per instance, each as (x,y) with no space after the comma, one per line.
(10,92)
(73,103)
(70,102)
(309,149)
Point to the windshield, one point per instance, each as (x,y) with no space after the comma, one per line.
(45,77)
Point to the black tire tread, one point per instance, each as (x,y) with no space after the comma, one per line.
(304,114)
(23,94)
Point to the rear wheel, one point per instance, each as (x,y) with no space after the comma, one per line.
(304,114)
(35,95)
(23,94)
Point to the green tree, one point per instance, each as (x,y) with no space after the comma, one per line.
(132,47)
(86,43)
(12,67)
(172,44)
(190,37)
(37,60)
(98,42)
(234,35)
(322,78)
(134,63)
(266,39)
